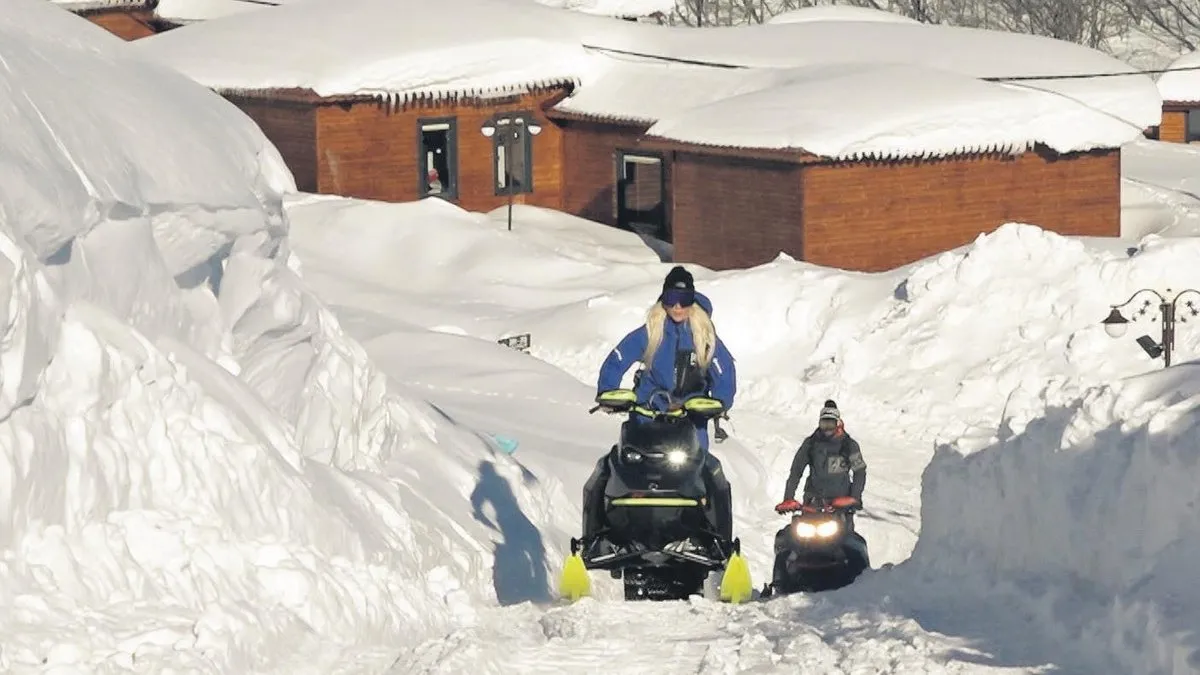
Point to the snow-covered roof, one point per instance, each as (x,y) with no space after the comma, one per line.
(620,8)
(1178,85)
(93,5)
(838,13)
(646,91)
(636,71)
(184,11)
(854,112)
(394,48)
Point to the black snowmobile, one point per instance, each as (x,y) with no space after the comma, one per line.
(816,552)
(658,521)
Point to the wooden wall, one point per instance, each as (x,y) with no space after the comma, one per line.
(369,150)
(124,23)
(728,212)
(590,166)
(874,216)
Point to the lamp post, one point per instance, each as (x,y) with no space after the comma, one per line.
(1115,324)
(511,127)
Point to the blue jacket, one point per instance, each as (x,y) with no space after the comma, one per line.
(722,375)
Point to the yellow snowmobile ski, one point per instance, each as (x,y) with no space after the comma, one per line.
(736,585)
(574,582)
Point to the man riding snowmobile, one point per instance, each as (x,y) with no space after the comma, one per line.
(837,476)
(683,359)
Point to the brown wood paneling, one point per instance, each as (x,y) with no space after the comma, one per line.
(877,216)
(1173,128)
(590,167)
(369,150)
(292,129)
(125,24)
(734,213)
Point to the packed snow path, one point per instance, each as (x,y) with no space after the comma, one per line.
(868,628)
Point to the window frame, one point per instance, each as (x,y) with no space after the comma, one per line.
(525,145)
(449,187)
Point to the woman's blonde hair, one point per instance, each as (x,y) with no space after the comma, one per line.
(704,335)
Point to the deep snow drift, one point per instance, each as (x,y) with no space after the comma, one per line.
(188,441)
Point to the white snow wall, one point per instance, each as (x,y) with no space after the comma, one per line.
(1093,509)
(171,395)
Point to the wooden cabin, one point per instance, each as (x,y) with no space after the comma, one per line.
(602,154)
(370,148)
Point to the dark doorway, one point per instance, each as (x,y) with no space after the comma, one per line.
(641,184)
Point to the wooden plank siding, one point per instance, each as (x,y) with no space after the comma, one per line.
(1173,127)
(730,213)
(291,126)
(922,207)
(127,24)
(369,150)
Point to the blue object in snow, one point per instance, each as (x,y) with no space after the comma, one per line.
(506,445)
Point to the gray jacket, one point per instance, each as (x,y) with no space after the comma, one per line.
(831,461)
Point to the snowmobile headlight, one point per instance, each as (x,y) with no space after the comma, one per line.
(806,530)
(827,528)
(677,457)
(630,455)
(824,529)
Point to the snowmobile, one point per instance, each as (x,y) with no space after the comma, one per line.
(817,552)
(659,532)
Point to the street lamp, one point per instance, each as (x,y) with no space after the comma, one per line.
(511,127)
(1115,324)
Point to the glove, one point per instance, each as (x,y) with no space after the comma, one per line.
(844,502)
(787,505)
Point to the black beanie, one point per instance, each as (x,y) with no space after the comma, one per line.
(679,279)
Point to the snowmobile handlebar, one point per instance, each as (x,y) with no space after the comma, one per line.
(836,505)
(620,401)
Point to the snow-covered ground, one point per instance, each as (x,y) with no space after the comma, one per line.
(248,431)
(900,351)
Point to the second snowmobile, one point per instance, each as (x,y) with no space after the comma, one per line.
(817,551)
(656,518)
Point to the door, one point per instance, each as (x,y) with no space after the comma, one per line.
(641,204)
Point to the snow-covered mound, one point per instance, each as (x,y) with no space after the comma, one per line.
(1096,501)
(190,446)
(1160,192)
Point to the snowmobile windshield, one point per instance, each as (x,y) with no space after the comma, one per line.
(660,437)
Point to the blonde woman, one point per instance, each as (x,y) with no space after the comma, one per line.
(679,346)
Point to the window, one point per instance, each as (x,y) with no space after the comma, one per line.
(437,158)
(517,140)
(1193,125)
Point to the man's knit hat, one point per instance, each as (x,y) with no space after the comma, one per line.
(830,411)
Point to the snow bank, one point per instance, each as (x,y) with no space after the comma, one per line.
(1181,83)
(191,448)
(1096,496)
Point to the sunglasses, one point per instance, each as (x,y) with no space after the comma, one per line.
(676,297)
